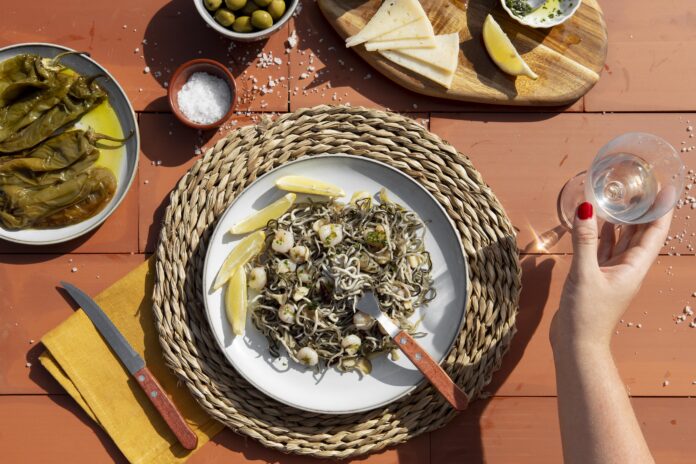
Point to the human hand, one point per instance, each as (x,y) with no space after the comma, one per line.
(604,277)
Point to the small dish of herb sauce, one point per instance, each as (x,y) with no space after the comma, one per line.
(541,13)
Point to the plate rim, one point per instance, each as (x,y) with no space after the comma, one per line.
(136,160)
(413,181)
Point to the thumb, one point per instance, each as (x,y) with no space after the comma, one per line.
(585,241)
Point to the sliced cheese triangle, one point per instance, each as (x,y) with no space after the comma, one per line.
(444,56)
(420,29)
(392,15)
(427,43)
(426,70)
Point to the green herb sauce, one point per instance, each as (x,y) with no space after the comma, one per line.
(519,7)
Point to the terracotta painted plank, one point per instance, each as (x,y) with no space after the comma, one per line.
(168,151)
(52,429)
(30,306)
(659,350)
(335,74)
(651,58)
(46,428)
(229,447)
(134,34)
(521,430)
(500,430)
(118,234)
(527,158)
(646,356)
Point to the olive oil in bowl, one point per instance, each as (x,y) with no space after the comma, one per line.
(103,120)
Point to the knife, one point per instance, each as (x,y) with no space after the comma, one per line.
(430,369)
(135,365)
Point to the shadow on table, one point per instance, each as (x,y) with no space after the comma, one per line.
(66,402)
(468,427)
(176,34)
(17,253)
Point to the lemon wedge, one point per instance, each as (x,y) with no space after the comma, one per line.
(502,51)
(247,248)
(360,195)
(302,184)
(384,196)
(260,218)
(236,301)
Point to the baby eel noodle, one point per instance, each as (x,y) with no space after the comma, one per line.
(382,248)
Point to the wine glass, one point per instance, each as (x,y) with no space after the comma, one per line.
(634,179)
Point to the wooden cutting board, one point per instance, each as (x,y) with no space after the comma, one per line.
(568,57)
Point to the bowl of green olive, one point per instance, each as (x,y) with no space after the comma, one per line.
(246,20)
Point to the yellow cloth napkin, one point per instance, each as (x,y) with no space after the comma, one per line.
(79,358)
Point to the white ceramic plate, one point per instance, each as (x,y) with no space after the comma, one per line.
(129,159)
(333,392)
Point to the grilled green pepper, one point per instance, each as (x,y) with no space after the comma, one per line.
(56,205)
(47,115)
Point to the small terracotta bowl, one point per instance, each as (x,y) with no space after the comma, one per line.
(184,72)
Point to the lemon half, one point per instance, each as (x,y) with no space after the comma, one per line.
(303,184)
(260,218)
(502,51)
(236,301)
(247,248)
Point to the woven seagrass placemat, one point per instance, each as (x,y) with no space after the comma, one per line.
(204,193)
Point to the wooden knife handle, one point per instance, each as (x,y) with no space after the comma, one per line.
(166,408)
(432,371)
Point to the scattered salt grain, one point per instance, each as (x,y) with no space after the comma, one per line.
(74,269)
(146,69)
(31,342)
(28,364)
(204,99)
(292,40)
(665,383)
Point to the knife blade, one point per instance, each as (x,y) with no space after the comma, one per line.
(135,365)
(420,358)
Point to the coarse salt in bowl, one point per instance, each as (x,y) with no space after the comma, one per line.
(204,98)
(202,94)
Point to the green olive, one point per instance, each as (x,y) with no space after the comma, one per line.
(263,3)
(249,8)
(235,5)
(260,19)
(224,17)
(276,9)
(212,5)
(242,24)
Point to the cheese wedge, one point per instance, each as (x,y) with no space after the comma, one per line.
(420,29)
(422,68)
(427,44)
(444,56)
(392,15)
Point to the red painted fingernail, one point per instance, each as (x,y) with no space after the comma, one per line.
(585,211)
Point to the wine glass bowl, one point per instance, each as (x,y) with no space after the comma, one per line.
(636,178)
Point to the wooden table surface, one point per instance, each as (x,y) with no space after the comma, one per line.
(524,154)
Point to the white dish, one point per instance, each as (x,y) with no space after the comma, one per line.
(129,161)
(333,392)
(562,10)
